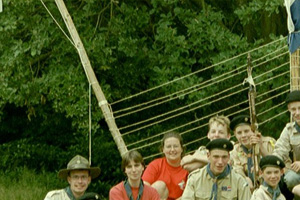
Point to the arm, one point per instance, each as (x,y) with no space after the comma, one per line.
(189,193)
(195,161)
(243,189)
(282,145)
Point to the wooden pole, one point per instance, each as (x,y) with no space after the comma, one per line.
(295,70)
(106,109)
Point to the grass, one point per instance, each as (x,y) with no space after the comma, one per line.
(24,184)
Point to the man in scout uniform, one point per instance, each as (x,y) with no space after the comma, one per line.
(271,170)
(218,128)
(216,181)
(79,175)
(241,156)
(289,141)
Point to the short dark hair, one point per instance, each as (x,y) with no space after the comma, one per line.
(132,155)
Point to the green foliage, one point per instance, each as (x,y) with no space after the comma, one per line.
(132,46)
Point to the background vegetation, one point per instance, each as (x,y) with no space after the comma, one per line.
(132,45)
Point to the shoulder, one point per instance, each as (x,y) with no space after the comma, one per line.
(54,193)
(117,187)
(239,179)
(197,172)
(150,190)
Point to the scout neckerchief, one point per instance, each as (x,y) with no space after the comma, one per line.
(249,161)
(129,191)
(275,193)
(297,127)
(69,193)
(214,190)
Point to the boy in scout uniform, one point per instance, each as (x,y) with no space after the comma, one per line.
(79,175)
(271,170)
(218,128)
(216,181)
(289,141)
(241,156)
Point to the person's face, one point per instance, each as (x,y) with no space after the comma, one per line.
(243,133)
(294,108)
(79,181)
(272,175)
(134,171)
(172,149)
(217,130)
(218,159)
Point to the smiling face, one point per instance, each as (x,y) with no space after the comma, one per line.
(218,130)
(79,181)
(172,150)
(218,160)
(272,175)
(294,108)
(243,133)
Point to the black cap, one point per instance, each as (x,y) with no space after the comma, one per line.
(90,196)
(240,119)
(220,143)
(271,161)
(293,96)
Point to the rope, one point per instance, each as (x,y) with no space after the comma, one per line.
(184,106)
(162,115)
(274,117)
(198,71)
(71,41)
(181,91)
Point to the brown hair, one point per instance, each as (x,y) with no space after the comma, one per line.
(129,156)
(170,135)
(220,119)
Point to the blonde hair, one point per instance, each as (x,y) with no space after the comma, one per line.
(220,119)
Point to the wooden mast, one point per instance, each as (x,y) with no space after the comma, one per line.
(295,70)
(106,109)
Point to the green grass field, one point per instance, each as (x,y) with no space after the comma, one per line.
(24,184)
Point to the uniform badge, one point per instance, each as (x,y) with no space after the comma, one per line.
(226,188)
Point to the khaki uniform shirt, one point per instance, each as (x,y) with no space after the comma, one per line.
(57,195)
(199,186)
(201,151)
(262,194)
(289,141)
(239,157)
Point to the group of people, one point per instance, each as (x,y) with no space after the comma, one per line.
(254,168)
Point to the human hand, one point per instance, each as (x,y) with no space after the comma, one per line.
(296,166)
(256,138)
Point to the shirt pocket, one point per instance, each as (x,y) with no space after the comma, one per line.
(229,195)
(202,195)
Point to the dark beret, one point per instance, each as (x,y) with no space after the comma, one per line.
(293,96)
(271,161)
(90,196)
(240,119)
(220,143)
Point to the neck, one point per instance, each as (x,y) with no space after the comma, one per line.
(134,183)
(174,163)
(77,195)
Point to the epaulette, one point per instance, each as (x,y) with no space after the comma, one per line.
(290,125)
(193,172)
(53,192)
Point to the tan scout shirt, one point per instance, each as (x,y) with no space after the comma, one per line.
(239,157)
(288,141)
(57,195)
(262,194)
(199,187)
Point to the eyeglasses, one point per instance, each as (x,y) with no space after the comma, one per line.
(77,178)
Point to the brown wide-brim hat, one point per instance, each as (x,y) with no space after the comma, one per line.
(79,163)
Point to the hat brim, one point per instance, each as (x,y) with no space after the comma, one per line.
(94,172)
